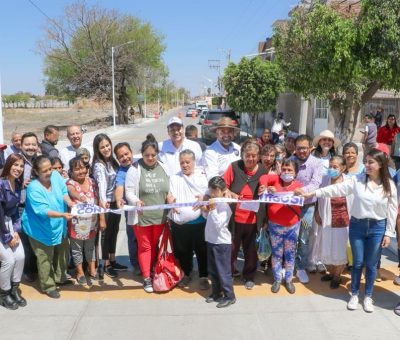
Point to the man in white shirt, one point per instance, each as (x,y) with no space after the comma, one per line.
(15,146)
(74,134)
(223,151)
(278,126)
(170,148)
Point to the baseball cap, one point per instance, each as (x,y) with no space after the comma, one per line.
(174,120)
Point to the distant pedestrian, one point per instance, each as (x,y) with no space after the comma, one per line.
(265,138)
(51,134)
(378,117)
(278,128)
(219,247)
(369,134)
(191,133)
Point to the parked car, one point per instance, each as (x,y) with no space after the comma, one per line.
(211,119)
(190,112)
(202,115)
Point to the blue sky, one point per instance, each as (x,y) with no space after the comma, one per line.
(195,31)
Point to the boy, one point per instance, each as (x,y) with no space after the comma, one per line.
(219,240)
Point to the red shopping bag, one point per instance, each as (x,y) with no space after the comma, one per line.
(167,272)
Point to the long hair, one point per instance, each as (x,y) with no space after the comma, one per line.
(14,157)
(395,121)
(384,174)
(97,156)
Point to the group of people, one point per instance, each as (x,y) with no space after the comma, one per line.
(347,205)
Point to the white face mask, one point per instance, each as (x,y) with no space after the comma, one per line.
(287,177)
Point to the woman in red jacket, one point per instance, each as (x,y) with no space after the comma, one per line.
(387,132)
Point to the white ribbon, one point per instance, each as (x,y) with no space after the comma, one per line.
(287,198)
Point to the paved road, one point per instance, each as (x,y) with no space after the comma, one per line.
(120,309)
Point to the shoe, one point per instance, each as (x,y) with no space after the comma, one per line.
(326,277)
(29,277)
(353,303)
(275,287)
(397,309)
(184,282)
(226,302)
(204,284)
(396,280)
(54,294)
(16,294)
(378,277)
(110,271)
(7,301)
(368,304)
(312,269)
(67,282)
(249,284)
(147,285)
(290,287)
(68,276)
(213,298)
(117,266)
(236,273)
(335,283)
(321,268)
(82,280)
(302,275)
(100,273)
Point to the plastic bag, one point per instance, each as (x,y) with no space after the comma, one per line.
(264,246)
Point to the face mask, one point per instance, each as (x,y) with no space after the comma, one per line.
(287,177)
(332,173)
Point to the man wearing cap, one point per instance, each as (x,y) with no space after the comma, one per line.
(170,148)
(220,154)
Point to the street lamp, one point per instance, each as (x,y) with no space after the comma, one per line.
(113,48)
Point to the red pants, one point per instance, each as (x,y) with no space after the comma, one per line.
(147,239)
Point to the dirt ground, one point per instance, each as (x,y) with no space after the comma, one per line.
(34,120)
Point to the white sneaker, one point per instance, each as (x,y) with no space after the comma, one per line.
(396,280)
(302,275)
(368,304)
(353,302)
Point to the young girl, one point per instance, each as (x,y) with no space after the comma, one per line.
(219,247)
(104,172)
(284,224)
(333,217)
(58,165)
(82,230)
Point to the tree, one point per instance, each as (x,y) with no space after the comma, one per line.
(253,86)
(343,56)
(77,51)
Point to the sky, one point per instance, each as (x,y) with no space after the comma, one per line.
(194,32)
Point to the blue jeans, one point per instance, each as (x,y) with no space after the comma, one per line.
(366,237)
(132,244)
(307,213)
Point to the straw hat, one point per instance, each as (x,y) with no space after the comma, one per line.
(225,122)
(327,134)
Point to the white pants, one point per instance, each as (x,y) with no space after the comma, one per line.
(12,264)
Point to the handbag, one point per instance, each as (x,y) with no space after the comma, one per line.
(167,273)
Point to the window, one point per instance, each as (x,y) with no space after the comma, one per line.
(321,108)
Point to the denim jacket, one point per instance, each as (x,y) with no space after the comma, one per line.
(9,201)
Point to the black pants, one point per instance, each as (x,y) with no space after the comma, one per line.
(245,235)
(109,236)
(30,266)
(219,268)
(186,239)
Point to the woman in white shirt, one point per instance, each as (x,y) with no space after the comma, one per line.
(373,220)
(187,227)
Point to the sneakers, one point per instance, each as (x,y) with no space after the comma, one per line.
(275,287)
(368,304)
(110,271)
(302,275)
(249,284)
(226,302)
(396,280)
(353,303)
(321,268)
(81,280)
(147,285)
(54,294)
(214,298)
(204,284)
(290,287)
(100,273)
(184,282)
(117,266)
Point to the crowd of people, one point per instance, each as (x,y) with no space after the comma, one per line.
(350,209)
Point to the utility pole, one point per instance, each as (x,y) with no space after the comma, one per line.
(227,52)
(216,65)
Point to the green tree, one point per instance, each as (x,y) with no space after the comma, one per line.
(345,57)
(253,86)
(77,51)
